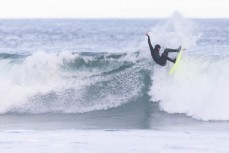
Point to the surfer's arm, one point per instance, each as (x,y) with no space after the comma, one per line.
(149,42)
(151,48)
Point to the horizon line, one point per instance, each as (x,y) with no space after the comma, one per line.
(119,18)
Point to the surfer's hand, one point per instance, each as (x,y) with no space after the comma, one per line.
(147,34)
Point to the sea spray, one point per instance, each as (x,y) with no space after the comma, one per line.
(200,85)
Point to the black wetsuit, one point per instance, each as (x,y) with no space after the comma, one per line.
(161,60)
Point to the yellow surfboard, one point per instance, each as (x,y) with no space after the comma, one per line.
(177,61)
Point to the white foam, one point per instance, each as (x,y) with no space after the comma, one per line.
(199,88)
(200,85)
(38,73)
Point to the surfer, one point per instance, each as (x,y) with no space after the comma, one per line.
(161,60)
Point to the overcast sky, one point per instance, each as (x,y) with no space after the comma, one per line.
(113,8)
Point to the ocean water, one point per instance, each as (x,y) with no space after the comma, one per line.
(90,85)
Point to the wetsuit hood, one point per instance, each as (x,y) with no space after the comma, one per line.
(157,46)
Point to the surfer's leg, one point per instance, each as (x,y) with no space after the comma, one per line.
(168,50)
(165,56)
(172,50)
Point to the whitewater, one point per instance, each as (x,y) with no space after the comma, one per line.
(84,84)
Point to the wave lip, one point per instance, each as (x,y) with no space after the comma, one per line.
(69,82)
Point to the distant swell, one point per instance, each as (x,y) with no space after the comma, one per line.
(10,56)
